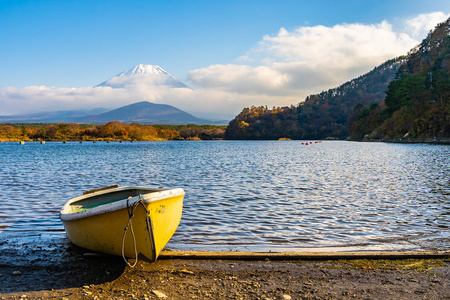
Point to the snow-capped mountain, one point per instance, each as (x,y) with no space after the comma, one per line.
(141,77)
(150,75)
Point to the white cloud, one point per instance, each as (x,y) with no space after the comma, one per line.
(341,45)
(285,68)
(419,26)
(308,57)
(281,70)
(41,98)
(258,80)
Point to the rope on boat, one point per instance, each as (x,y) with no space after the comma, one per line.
(130,210)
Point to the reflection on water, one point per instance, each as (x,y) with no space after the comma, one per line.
(241,195)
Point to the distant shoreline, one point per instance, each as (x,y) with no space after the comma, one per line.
(406,141)
(111,131)
(393,141)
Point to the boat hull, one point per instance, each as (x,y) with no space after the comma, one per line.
(101,228)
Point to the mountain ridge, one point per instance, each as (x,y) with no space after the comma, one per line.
(144,112)
(51,116)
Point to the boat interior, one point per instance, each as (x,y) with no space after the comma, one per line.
(106,198)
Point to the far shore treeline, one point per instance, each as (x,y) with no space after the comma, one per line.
(111,131)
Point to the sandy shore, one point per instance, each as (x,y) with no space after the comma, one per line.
(42,270)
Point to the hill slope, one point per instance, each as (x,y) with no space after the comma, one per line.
(418,101)
(416,105)
(321,115)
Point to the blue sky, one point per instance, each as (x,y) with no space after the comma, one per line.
(78,44)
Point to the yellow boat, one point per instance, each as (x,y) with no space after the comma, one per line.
(132,221)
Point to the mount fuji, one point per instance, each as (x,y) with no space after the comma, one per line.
(150,75)
(140,112)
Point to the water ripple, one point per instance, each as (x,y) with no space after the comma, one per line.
(243,195)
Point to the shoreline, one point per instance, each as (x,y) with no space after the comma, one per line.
(303,256)
(108,277)
(394,141)
(38,268)
(429,141)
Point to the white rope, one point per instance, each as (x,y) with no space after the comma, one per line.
(129,223)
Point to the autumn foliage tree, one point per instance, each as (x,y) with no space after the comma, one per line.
(80,132)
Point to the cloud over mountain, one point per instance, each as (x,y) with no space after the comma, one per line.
(418,27)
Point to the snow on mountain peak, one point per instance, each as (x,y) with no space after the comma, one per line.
(146,70)
(150,75)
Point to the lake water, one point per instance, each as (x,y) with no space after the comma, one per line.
(247,195)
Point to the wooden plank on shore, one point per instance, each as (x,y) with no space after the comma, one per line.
(236,255)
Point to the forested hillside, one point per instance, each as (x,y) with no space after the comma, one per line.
(417,104)
(320,116)
(407,97)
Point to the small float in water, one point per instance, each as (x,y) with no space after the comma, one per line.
(132,221)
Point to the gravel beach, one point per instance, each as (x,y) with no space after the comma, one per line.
(40,269)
